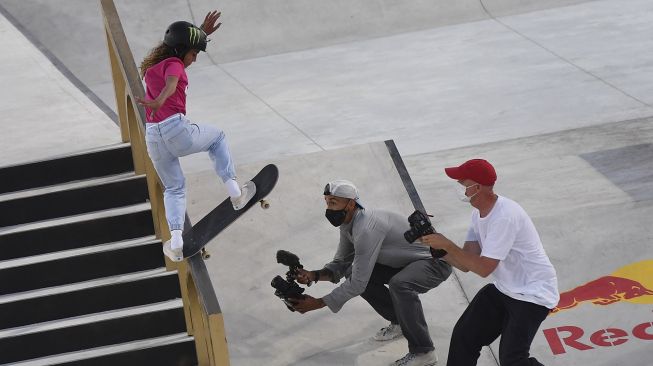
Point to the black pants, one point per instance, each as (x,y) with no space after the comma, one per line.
(399,302)
(490,314)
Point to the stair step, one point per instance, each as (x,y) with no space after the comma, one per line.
(88,319)
(106,227)
(124,294)
(17,262)
(104,281)
(81,268)
(60,221)
(173,350)
(65,186)
(97,330)
(77,201)
(83,279)
(108,160)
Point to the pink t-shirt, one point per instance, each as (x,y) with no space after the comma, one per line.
(155,81)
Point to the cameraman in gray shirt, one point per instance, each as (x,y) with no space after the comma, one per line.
(372,253)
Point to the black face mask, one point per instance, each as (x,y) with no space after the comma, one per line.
(336,217)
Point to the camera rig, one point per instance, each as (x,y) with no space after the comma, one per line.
(420,225)
(288,289)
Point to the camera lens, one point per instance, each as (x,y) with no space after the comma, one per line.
(280,284)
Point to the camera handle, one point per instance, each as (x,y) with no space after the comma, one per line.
(291,275)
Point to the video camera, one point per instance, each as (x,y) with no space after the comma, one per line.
(420,225)
(287,289)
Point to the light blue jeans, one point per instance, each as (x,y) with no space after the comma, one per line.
(173,138)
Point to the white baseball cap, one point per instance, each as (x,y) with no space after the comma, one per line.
(344,189)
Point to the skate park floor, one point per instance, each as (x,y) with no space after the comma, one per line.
(557,97)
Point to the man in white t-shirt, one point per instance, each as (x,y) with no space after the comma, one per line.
(501,241)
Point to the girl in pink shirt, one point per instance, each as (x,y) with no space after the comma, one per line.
(170,135)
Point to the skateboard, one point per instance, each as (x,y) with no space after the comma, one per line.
(224,214)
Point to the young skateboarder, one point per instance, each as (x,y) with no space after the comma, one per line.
(170,134)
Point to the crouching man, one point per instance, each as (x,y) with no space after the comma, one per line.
(502,241)
(372,253)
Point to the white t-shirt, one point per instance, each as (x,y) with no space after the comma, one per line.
(524,271)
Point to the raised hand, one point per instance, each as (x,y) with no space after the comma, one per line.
(209,25)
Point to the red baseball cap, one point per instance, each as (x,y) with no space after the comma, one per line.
(478,170)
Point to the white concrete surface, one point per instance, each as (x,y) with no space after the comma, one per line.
(260,329)
(43,113)
(508,77)
(250,28)
(589,226)
(559,98)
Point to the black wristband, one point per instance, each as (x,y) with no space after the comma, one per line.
(317,275)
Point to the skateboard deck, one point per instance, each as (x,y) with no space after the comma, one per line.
(224,214)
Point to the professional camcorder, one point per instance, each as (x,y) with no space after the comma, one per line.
(420,225)
(287,289)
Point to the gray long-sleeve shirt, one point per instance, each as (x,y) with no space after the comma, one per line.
(373,236)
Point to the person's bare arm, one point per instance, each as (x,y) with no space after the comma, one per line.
(469,246)
(168,90)
(466,259)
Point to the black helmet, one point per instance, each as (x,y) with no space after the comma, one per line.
(183,36)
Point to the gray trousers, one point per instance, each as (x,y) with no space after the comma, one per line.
(399,302)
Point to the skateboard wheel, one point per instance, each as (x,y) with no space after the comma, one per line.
(265,204)
(206,255)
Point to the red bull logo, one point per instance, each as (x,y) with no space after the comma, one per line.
(632,283)
(574,337)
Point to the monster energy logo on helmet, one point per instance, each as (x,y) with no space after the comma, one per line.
(194,34)
(183,36)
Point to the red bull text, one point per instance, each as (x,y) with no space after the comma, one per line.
(632,283)
(565,338)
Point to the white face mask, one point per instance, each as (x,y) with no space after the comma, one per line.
(461,190)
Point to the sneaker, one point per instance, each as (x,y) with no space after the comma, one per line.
(392,331)
(420,359)
(175,255)
(247,191)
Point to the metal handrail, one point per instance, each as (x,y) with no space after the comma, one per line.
(201,308)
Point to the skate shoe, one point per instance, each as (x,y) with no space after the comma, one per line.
(392,331)
(247,191)
(419,359)
(175,255)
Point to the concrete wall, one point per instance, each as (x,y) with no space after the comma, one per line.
(509,7)
(43,113)
(250,28)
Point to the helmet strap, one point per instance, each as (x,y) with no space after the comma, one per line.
(181,52)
